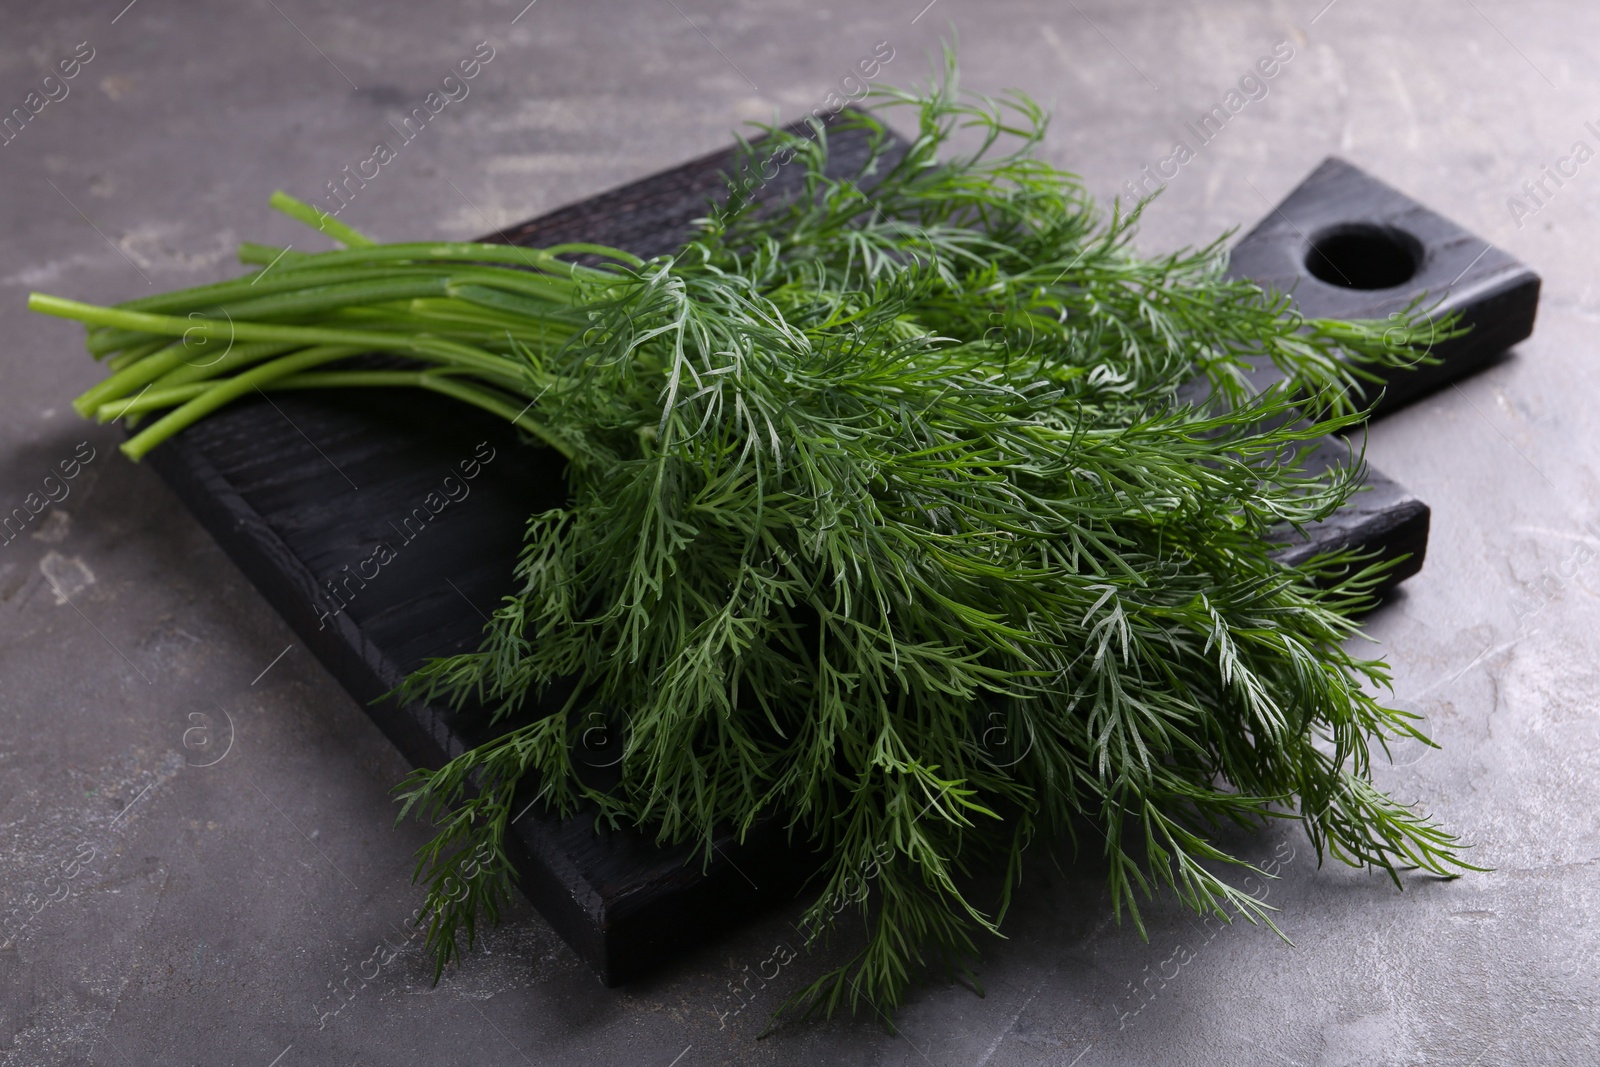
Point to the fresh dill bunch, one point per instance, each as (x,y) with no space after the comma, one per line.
(855,478)
(903,459)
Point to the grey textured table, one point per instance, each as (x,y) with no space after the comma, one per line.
(156,909)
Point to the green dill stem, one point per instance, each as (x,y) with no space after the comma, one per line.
(322,298)
(481,398)
(217,294)
(131,356)
(136,352)
(223,392)
(540,259)
(318,219)
(221,329)
(488,322)
(152,399)
(133,376)
(252,252)
(111,339)
(233,358)
(435,381)
(558,292)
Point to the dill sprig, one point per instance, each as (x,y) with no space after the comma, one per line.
(858,482)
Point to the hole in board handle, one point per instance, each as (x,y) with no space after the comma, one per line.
(1363,256)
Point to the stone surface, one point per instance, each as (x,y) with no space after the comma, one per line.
(157,909)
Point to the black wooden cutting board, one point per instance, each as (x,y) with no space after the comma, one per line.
(301,488)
